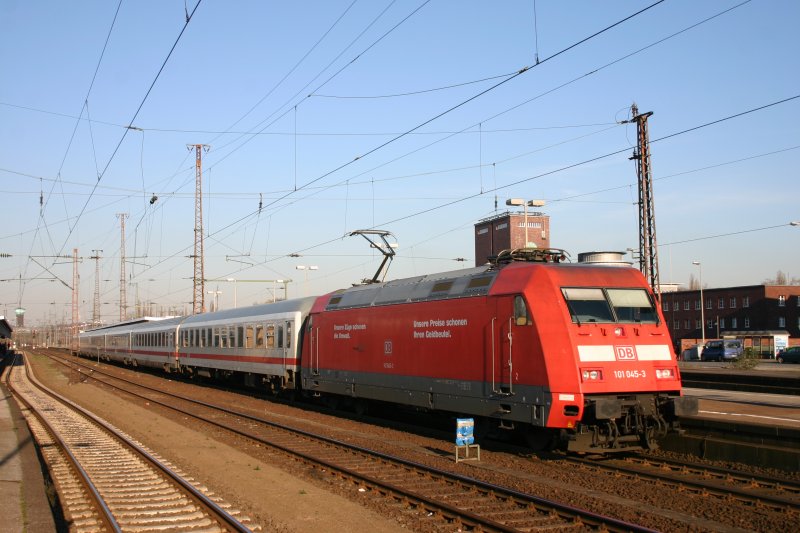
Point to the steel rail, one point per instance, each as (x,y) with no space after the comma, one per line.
(777,503)
(564,511)
(192,491)
(105,514)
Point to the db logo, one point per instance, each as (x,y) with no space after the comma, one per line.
(625,353)
(387,347)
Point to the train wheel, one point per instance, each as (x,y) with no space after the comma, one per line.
(361,407)
(539,439)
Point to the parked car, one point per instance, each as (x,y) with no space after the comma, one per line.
(789,355)
(722,350)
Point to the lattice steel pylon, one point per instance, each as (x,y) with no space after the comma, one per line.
(123,295)
(96,302)
(76,317)
(648,248)
(198,299)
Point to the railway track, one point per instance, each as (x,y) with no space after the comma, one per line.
(443,497)
(777,494)
(105,481)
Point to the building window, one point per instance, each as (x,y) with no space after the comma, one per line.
(500,226)
(697,305)
(733,323)
(698,324)
(797,298)
(687,324)
(721,303)
(710,324)
(781,301)
(665,306)
(686,305)
(677,324)
(745,301)
(708,303)
(721,323)
(733,302)
(675,305)
(781,322)
(746,322)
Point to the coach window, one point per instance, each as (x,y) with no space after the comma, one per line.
(232,337)
(259,336)
(521,315)
(288,334)
(270,335)
(280,336)
(240,335)
(248,343)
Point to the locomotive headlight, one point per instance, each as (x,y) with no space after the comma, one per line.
(592,375)
(664,373)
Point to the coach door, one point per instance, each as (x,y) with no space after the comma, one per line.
(502,348)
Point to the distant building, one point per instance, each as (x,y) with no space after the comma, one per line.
(759,314)
(507,231)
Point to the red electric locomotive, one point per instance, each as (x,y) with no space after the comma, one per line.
(573,355)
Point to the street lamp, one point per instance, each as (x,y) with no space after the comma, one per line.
(215,302)
(234,290)
(525,205)
(306,268)
(702,303)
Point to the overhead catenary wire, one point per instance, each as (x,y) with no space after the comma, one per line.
(351,182)
(41,219)
(133,118)
(471,98)
(561,86)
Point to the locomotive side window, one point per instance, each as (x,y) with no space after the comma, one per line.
(521,315)
(632,305)
(587,305)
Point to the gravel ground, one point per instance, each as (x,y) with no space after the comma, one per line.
(290,497)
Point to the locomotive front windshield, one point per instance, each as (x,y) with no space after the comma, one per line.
(609,305)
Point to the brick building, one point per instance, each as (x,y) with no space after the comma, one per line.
(756,313)
(507,231)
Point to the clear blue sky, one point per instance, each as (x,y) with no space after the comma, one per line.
(240,77)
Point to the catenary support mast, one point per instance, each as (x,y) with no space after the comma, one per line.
(648,248)
(123,295)
(198,299)
(96,302)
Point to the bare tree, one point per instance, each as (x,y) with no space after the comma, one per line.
(693,283)
(779,279)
